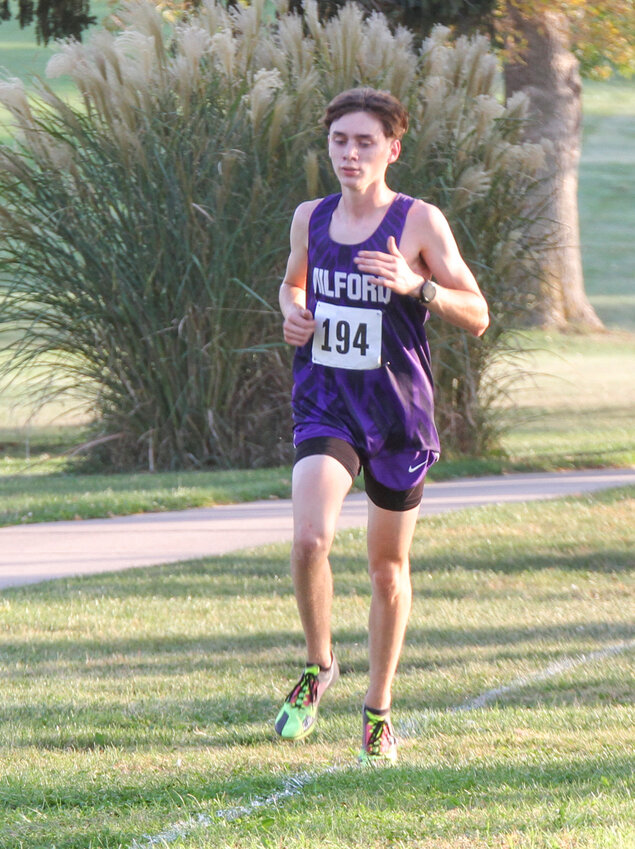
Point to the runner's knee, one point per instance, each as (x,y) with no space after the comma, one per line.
(390,579)
(310,545)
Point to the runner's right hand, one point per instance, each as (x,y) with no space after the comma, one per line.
(298,326)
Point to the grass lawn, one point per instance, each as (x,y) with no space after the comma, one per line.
(577,402)
(141,703)
(607,186)
(21,55)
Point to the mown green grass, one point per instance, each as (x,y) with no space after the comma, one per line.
(133,701)
(575,402)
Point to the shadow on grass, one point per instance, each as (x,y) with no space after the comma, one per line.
(226,719)
(220,722)
(165,655)
(263,575)
(509,792)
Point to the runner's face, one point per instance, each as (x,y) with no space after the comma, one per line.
(360,151)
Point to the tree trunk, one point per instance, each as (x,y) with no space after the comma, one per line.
(547,72)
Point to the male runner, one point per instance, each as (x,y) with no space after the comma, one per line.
(355,297)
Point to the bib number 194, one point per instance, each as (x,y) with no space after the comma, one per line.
(347,337)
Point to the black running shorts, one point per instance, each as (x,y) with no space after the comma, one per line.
(388,499)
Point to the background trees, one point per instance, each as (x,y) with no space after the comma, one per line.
(545,44)
(52,18)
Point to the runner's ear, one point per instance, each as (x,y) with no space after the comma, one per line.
(395,150)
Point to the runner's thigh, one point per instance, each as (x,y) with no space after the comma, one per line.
(320,484)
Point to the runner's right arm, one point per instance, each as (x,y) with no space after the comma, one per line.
(299,325)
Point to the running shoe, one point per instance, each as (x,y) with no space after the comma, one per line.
(379,744)
(299,711)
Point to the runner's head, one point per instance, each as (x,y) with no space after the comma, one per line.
(381,104)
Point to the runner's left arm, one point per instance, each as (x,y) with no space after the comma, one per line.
(458,298)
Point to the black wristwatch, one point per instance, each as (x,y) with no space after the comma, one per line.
(427,292)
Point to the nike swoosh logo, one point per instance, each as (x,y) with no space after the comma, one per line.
(414,468)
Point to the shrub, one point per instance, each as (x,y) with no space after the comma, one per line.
(145,230)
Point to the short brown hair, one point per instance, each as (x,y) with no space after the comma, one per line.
(392,114)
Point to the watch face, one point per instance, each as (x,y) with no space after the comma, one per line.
(428,291)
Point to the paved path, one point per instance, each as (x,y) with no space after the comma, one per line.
(39,552)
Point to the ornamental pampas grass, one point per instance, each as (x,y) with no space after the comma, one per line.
(147,231)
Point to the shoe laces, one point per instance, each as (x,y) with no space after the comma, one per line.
(305,691)
(381,736)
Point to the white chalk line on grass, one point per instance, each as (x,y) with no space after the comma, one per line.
(549,671)
(295,784)
(414,726)
(292,786)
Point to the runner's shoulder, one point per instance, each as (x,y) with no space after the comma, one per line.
(425,213)
(304,211)
(425,222)
(300,224)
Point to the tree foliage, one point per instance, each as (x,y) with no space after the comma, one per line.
(419,15)
(603,31)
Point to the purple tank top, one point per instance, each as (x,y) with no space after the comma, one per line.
(366,376)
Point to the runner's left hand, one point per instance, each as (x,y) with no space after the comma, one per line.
(389,269)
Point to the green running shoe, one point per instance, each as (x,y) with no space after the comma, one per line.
(299,711)
(379,744)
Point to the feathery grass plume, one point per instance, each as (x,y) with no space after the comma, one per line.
(427,116)
(304,99)
(312,21)
(13,98)
(145,233)
(248,24)
(481,66)
(344,40)
(293,49)
(473,183)
(279,120)
(312,171)
(436,54)
(46,149)
(213,16)
(402,70)
(145,17)
(487,110)
(223,49)
(262,94)
(192,44)
(377,48)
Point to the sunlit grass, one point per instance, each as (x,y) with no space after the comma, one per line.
(133,701)
(607,183)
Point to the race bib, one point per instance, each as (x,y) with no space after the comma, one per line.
(347,337)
